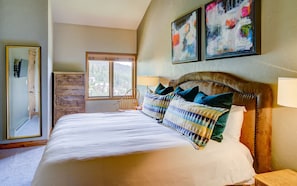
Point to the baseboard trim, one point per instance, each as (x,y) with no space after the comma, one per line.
(23,144)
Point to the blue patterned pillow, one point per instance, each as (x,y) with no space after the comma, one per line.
(155,105)
(193,120)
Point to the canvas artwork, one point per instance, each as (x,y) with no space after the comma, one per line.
(232,28)
(185,38)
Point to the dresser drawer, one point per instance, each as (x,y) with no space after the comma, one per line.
(70,90)
(69,79)
(68,110)
(69,101)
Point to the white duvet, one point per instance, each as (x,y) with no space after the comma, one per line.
(129,148)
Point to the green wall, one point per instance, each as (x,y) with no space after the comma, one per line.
(26,22)
(278,42)
(278,58)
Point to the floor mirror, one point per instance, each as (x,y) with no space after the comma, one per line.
(23,91)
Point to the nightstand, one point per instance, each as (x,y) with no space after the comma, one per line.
(284,177)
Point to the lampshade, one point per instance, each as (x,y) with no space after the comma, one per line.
(148,80)
(164,81)
(287,92)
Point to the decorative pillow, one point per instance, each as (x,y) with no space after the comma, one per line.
(161,90)
(193,120)
(188,94)
(223,100)
(155,105)
(234,122)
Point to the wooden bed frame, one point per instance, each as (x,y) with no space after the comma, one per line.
(256,97)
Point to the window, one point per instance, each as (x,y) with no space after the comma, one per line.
(109,75)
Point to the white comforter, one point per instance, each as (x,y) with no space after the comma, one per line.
(129,148)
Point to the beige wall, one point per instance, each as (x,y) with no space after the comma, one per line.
(278,58)
(72,41)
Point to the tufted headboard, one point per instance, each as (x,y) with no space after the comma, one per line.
(256,97)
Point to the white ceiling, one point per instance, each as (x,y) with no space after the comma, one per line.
(124,14)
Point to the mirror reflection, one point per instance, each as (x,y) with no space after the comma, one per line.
(23,91)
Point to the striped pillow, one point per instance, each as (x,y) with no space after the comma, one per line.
(155,105)
(193,120)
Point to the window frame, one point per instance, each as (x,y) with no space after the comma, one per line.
(111,58)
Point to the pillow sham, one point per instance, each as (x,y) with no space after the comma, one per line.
(155,105)
(234,122)
(223,100)
(193,120)
(188,94)
(162,90)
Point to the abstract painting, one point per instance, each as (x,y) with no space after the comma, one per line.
(186,38)
(232,28)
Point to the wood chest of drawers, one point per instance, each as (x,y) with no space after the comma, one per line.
(286,177)
(68,94)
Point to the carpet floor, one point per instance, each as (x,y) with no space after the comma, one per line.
(17,166)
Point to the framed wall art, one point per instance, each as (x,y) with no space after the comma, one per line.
(232,28)
(186,38)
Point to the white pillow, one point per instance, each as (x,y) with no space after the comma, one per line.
(234,122)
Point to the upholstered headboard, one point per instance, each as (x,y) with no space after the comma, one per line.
(256,97)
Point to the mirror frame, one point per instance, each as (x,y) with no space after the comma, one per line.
(17,73)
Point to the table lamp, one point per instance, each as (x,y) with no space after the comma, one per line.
(287,92)
(148,80)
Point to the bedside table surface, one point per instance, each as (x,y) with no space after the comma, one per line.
(284,177)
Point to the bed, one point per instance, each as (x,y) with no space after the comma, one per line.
(129,148)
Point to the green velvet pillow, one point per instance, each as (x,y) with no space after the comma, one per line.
(188,94)
(223,100)
(162,90)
